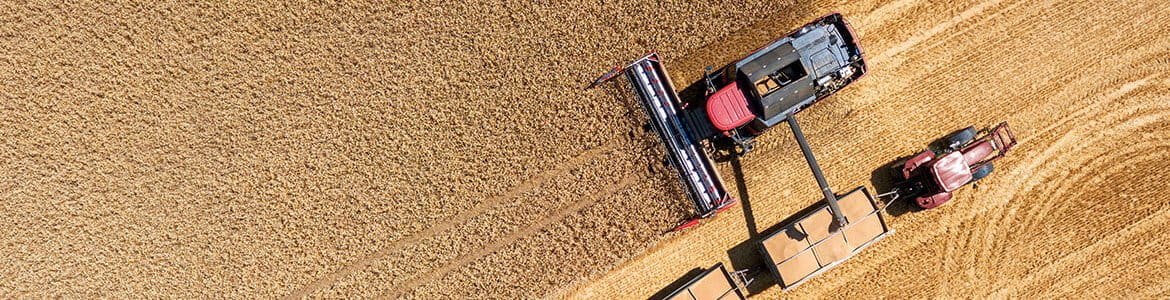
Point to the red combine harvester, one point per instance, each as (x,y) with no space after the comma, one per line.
(930,176)
(744,99)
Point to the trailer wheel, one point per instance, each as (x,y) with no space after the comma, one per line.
(982,172)
(959,139)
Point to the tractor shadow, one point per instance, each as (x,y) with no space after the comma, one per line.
(883,179)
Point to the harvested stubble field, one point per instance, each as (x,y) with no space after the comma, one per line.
(447,150)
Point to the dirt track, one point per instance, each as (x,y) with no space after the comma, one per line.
(422,150)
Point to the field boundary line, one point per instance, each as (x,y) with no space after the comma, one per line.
(511,237)
(450,222)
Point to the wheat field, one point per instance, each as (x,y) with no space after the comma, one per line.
(430,149)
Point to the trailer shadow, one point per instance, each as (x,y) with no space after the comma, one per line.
(673,286)
(883,180)
(748,255)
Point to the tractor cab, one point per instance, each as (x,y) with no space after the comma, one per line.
(931,175)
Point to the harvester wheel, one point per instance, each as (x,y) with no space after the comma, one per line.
(960,139)
(982,172)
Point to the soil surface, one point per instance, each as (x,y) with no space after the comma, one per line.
(448,150)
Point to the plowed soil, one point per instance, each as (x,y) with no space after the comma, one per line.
(448,150)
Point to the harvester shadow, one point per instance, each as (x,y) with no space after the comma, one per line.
(744,198)
(883,179)
(694,93)
(665,291)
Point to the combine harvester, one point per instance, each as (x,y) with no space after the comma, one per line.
(743,100)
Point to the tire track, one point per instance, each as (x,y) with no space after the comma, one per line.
(1079,114)
(879,15)
(1072,139)
(1114,123)
(1058,84)
(1066,190)
(511,238)
(1090,137)
(1018,114)
(929,33)
(459,218)
(1152,222)
(869,103)
(908,247)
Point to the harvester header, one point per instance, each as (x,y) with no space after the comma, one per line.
(657,95)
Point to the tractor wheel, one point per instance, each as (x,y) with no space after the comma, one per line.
(960,139)
(982,172)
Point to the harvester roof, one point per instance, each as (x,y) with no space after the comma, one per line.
(787,74)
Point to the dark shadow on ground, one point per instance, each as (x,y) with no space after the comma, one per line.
(744,198)
(670,288)
(884,179)
(749,255)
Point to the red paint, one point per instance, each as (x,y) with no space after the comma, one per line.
(688,224)
(976,152)
(951,171)
(727,203)
(728,108)
(914,162)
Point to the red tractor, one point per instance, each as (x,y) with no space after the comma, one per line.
(930,176)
